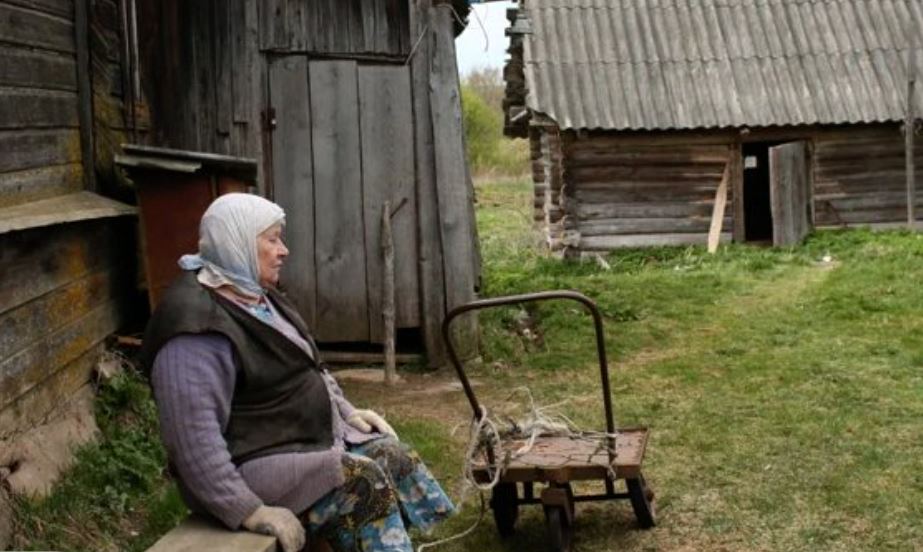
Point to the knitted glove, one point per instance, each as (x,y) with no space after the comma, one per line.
(367,420)
(280,523)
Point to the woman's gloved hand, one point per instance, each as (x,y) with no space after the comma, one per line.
(367,420)
(280,523)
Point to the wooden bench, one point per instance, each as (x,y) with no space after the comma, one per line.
(200,534)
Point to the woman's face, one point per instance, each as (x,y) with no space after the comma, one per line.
(271,253)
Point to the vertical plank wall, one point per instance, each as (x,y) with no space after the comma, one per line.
(293,171)
(386,122)
(342,307)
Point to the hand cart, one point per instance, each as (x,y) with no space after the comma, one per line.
(557,461)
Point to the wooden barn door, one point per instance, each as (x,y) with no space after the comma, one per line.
(790,193)
(341,147)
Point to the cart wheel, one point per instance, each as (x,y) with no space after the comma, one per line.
(642,501)
(505,503)
(560,530)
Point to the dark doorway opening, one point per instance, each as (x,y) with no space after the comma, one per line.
(757,204)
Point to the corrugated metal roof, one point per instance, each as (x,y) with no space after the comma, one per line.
(681,64)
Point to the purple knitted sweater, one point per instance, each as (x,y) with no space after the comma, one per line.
(193,380)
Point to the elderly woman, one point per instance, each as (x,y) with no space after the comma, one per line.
(257,431)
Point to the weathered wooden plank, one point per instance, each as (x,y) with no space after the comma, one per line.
(203,44)
(85,94)
(35,262)
(342,301)
(603,227)
(61,8)
(36,184)
(632,194)
(38,148)
(293,172)
(237,21)
(605,243)
(31,28)
(640,173)
(790,193)
(197,534)
(453,184)
(23,108)
(32,365)
(431,275)
(28,323)
(875,200)
(388,175)
(34,406)
(717,217)
(74,207)
(273,20)
(223,89)
(37,69)
(590,211)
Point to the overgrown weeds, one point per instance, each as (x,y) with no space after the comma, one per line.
(116,496)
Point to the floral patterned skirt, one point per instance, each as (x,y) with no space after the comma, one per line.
(387,490)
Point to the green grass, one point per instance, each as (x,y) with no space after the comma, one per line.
(784,395)
(116,496)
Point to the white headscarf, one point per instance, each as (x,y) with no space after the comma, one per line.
(227,242)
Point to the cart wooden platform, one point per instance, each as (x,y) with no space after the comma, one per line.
(557,461)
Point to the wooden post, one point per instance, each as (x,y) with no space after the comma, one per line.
(387,303)
(909,128)
(85,93)
(717,214)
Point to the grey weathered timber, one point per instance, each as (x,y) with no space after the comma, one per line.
(30,149)
(386,121)
(717,217)
(430,269)
(29,367)
(603,243)
(20,66)
(28,322)
(452,180)
(32,408)
(293,174)
(35,262)
(196,534)
(22,108)
(910,123)
(590,211)
(61,8)
(342,302)
(222,78)
(35,184)
(65,208)
(30,28)
(603,227)
(85,93)
(790,193)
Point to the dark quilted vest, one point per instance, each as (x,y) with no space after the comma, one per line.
(280,403)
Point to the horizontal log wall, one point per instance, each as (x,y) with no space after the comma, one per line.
(859,177)
(62,291)
(39,127)
(637,188)
(636,194)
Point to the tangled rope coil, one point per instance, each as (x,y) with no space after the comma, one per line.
(484,433)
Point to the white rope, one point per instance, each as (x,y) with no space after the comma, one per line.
(484,432)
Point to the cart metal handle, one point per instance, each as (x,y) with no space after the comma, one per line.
(529,298)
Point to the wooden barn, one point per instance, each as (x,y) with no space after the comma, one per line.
(346,105)
(67,252)
(637,110)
